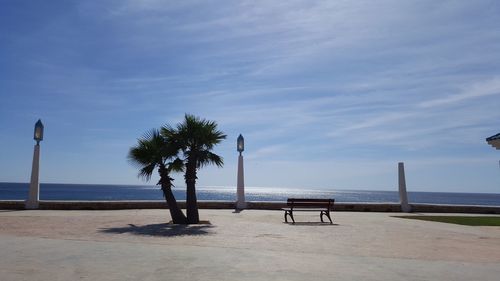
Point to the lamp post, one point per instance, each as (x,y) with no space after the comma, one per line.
(403,197)
(240,189)
(34,194)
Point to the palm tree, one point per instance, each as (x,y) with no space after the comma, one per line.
(155,151)
(196,138)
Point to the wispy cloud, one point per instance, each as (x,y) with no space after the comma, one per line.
(477,90)
(264,153)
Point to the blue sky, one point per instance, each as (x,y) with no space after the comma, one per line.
(328,94)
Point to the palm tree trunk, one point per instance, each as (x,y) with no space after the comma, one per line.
(166,186)
(191,202)
(175,212)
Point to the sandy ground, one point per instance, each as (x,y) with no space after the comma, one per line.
(250,245)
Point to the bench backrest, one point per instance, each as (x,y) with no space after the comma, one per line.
(310,203)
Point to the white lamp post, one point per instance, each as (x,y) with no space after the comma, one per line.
(34,194)
(403,197)
(240,190)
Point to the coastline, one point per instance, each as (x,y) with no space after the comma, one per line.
(252,205)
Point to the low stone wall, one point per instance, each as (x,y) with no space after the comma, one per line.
(134,204)
(11,205)
(111,205)
(262,205)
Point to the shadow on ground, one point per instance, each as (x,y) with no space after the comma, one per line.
(311,223)
(162,229)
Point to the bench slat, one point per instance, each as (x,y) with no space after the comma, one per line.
(310,203)
(304,209)
(309,200)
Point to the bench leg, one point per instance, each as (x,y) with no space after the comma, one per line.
(321,215)
(291,216)
(328,216)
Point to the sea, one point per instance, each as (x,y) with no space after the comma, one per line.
(58,191)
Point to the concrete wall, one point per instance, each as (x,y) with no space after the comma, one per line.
(350,207)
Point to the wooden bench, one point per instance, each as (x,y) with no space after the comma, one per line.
(324,206)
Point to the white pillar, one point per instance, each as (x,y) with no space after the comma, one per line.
(403,197)
(240,190)
(33,198)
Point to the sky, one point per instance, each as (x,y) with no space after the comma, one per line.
(327,94)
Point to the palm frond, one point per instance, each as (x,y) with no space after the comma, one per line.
(147,171)
(147,149)
(206,158)
(152,149)
(176,166)
(195,133)
(167,131)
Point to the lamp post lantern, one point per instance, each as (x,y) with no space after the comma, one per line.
(240,189)
(38,134)
(240,143)
(34,194)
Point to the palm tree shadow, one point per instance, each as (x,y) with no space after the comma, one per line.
(162,229)
(312,223)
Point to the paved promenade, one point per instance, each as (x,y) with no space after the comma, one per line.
(250,245)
